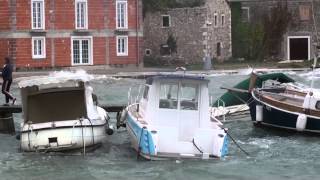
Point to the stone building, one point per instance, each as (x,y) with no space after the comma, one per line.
(298,38)
(187,35)
(56,33)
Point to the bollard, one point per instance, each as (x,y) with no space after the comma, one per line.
(6,123)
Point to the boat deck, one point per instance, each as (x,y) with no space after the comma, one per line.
(285,98)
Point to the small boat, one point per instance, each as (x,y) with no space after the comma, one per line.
(172,120)
(234,101)
(286,106)
(60,113)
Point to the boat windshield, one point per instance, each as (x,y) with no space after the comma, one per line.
(168,96)
(186,94)
(56,106)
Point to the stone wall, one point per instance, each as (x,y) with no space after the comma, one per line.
(298,26)
(194,31)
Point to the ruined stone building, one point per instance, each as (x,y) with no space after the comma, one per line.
(186,35)
(281,29)
(56,33)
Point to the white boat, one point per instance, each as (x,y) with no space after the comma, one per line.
(172,120)
(60,113)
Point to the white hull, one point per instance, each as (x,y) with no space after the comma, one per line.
(165,145)
(36,137)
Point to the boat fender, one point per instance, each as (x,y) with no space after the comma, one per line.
(301,122)
(259,113)
(109,131)
(122,118)
(18,135)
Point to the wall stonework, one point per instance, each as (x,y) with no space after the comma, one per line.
(194,31)
(297,25)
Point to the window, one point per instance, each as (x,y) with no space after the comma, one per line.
(189,97)
(304,12)
(166,21)
(81,7)
(38,47)
(122,45)
(222,20)
(81,50)
(148,52)
(168,96)
(218,49)
(145,92)
(245,14)
(164,50)
(122,14)
(215,16)
(37,17)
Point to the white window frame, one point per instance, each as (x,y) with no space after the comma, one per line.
(248,11)
(42,15)
(169,20)
(90,50)
(119,26)
(125,53)
(85,15)
(43,47)
(223,20)
(298,37)
(215,20)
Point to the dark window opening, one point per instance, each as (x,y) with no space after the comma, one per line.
(165,21)
(218,49)
(165,50)
(298,48)
(148,52)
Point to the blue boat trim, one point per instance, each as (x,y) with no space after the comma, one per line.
(225,150)
(143,137)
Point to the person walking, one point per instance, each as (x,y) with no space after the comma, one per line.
(7,80)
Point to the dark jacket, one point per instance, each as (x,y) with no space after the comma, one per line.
(7,72)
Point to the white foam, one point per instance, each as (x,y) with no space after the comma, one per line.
(60,77)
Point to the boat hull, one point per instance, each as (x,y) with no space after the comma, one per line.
(61,138)
(281,118)
(147,143)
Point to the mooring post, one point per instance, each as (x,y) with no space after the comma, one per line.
(6,123)
(6,118)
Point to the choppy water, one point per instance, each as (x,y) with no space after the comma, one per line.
(273,155)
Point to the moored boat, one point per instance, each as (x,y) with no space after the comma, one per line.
(60,113)
(283,106)
(172,120)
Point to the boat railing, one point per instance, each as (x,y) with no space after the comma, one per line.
(135,96)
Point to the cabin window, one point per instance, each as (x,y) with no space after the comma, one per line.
(318,105)
(189,97)
(168,96)
(145,92)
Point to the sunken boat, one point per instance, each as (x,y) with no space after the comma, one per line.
(60,113)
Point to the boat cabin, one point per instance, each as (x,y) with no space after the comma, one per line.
(58,101)
(176,103)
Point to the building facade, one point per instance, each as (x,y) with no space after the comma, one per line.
(58,33)
(187,35)
(299,36)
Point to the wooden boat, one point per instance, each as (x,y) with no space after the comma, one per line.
(172,120)
(286,107)
(60,113)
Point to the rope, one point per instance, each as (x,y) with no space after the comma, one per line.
(236,142)
(197,146)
